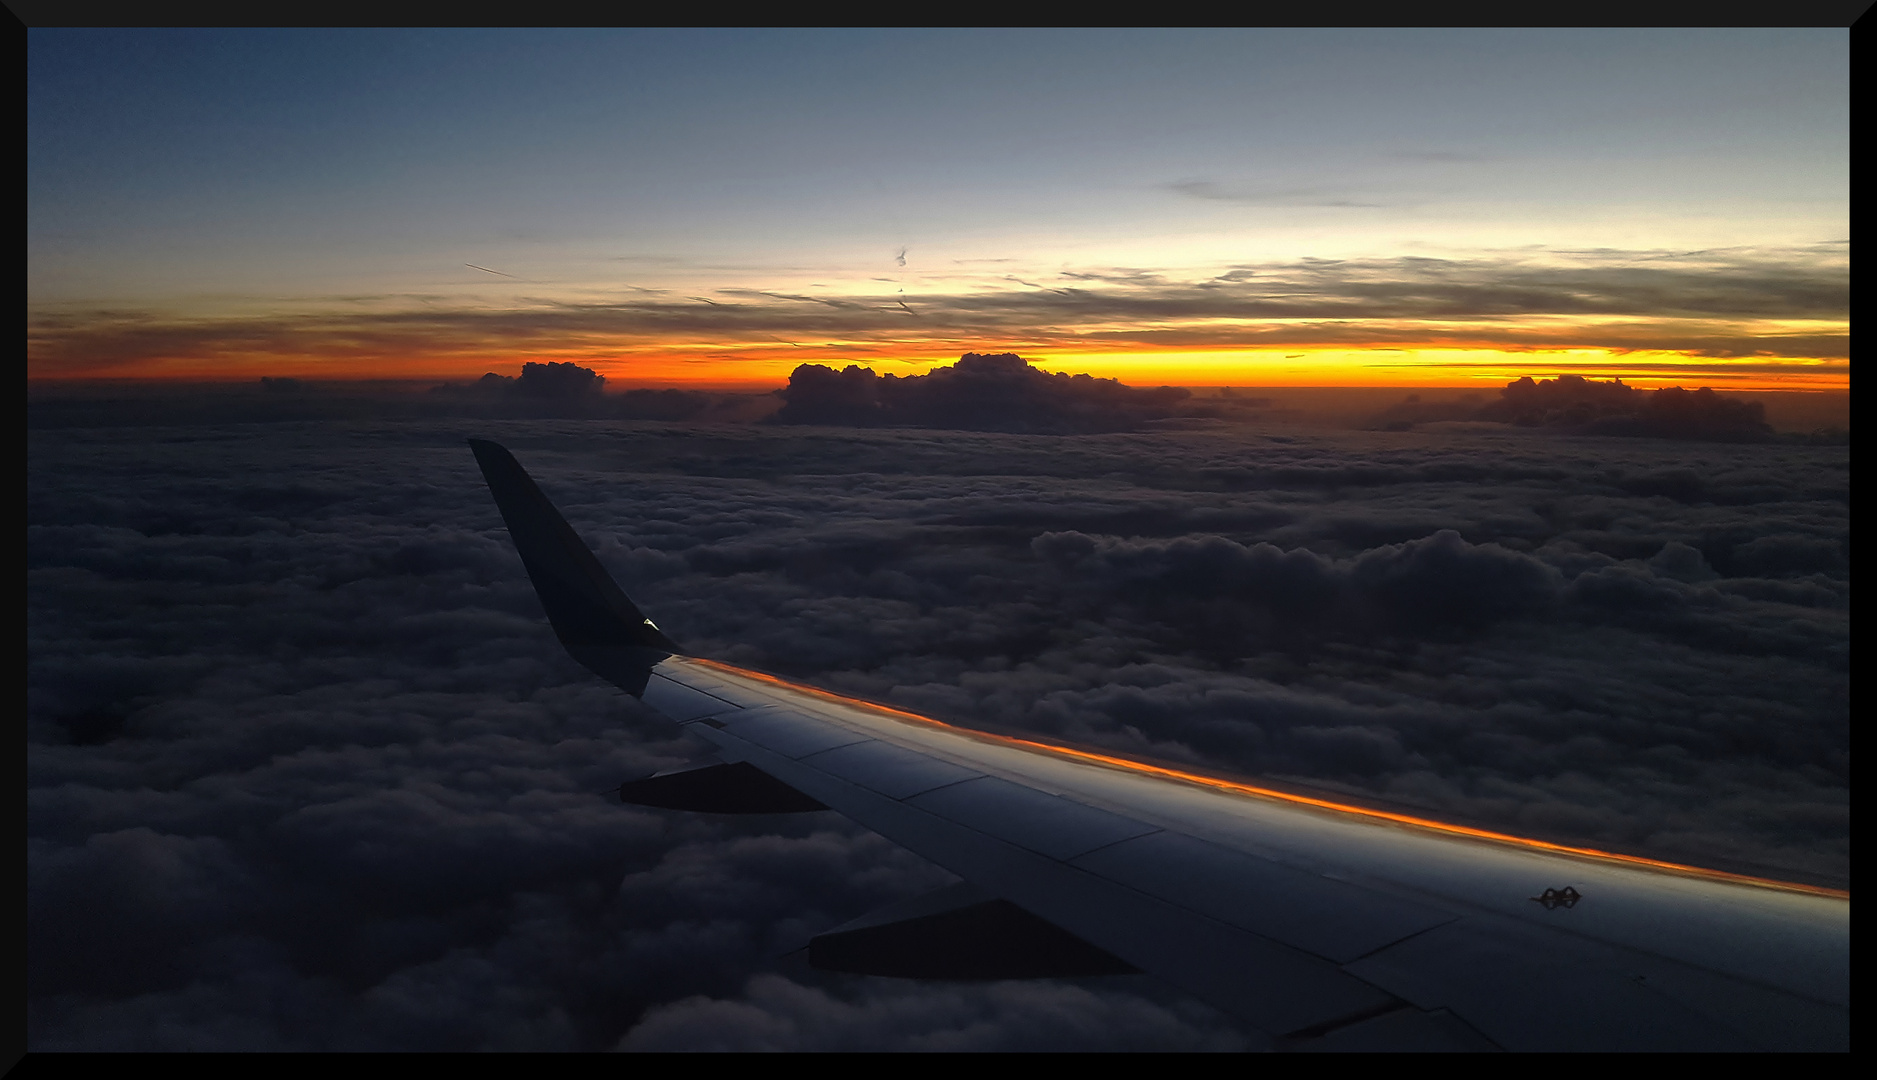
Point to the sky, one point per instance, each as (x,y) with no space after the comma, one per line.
(306,767)
(713,208)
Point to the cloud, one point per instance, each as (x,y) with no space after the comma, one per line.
(999,392)
(1216,191)
(1441,157)
(774,1013)
(1255,591)
(1720,304)
(1572,402)
(307,770)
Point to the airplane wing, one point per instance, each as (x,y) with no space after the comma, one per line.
(1326,926)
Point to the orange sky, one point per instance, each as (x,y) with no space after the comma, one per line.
(1763,320)
(763,368)
(1329,208)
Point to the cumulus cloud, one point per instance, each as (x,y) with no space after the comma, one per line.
(1439,580)
(981,392)
(1591,406)
(307,770)
(1612,408)
(550,380)
(569,389)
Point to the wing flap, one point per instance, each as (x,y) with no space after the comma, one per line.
(959,932)
(725,787)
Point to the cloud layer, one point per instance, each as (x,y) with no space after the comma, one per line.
(306,768)
(1714,304)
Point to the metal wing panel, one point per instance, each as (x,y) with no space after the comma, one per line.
(1532,988)
(787,731)
(1046,824)
(1329,918)
(886,769)
(1292,886)
(1789,939)
(681,702)
(1273,986)
(1793,940)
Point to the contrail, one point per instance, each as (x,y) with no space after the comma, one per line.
(486,270)
(713,303)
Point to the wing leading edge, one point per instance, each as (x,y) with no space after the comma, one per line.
(1326,926)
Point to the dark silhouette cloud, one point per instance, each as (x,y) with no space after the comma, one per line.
(1574,403)
(994,392)
(306,768)
(1612,408)
(550,380)
(572,390)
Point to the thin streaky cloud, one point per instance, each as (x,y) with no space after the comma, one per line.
(1441,157)
(1793,305)
(1214,191)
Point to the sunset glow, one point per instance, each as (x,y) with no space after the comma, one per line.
(1237,787)
(705,219)
(1432,438)
(757,367)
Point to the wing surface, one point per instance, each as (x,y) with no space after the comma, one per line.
(1323,925)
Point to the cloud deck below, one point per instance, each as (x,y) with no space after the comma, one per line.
(307,769)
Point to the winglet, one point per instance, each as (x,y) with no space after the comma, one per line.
(595,621)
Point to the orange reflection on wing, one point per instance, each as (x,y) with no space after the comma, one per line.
(1240,788)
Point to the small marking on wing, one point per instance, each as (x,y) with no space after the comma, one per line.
(1566,897)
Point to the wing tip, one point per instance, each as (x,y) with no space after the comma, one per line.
(587,608)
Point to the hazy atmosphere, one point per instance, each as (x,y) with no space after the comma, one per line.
(1455,422)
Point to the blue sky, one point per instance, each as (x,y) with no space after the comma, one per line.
(196,177)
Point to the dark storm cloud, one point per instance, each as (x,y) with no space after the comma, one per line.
(1704,302)
(306,768)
